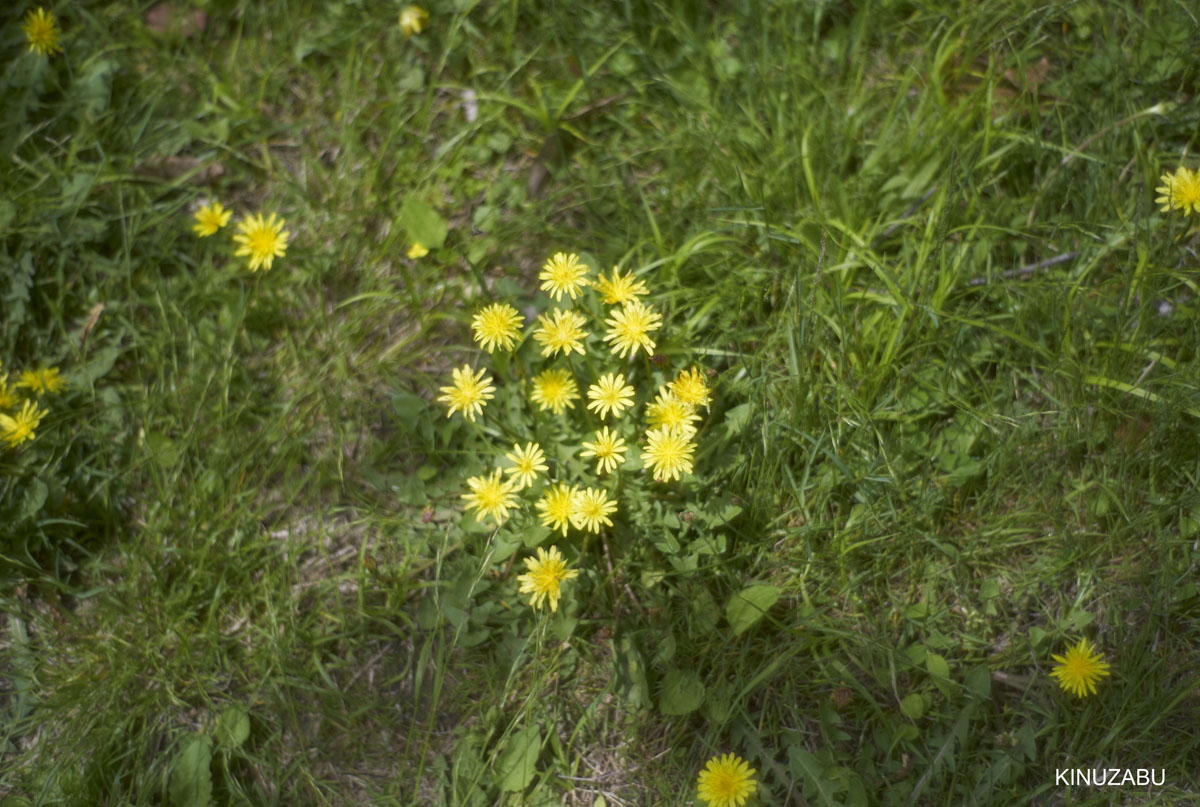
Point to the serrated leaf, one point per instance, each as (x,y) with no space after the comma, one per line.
(682,692)
(191,779)
(805,766)
(422,224)
(737,418)
(518,763)
(97,367)
(748,606)
(233,726)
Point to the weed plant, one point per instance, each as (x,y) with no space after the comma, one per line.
(918,253)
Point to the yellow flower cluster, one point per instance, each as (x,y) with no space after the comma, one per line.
(19,418)
(671,418)
(261,240)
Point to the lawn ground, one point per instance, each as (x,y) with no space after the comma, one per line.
(914,248)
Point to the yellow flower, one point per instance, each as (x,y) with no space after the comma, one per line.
(592,508)
(8,395)
(41,29)
(610,393)
(667,410)
(690,387)
(417,251)
(262,240)
(557,504)
(17,429)
(553,390)
(546,573)
(1079,671)
(668,453)
(564,332)
(619,289)
(527,463)
(210,218)
(497,324)
(609,450)
(490,496)
(563,274)
(726,781)
(1180,191)
(468,393)
(412,21)
(42,380)
(630,328)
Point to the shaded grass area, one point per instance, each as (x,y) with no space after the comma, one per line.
(951,449)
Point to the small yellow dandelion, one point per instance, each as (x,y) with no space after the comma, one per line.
(726,781)
(546,574)
(668,453)
(592,508)
(41,30)
(1180,191)
(609,450)
(557,504)
(629,328)
(417,250)
(42,380)
(490,496)
(8,395)
(18,428)
(262,240)
(528,462)
(563,274)
(618,290)
(468,392)
(610,394)
(412,21)
(498,324)
(562,331)
(554,390)
(690,387)
(668,410)
(1080,669)
(210,218)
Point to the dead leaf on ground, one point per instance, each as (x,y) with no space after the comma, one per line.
(196,171)
(1012,83)
(169,18)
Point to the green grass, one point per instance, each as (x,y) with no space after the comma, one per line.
(237,547)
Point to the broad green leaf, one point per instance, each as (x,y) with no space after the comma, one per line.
(34,498)
(913,706)
(518,763)
(682,692)
(233,726)
(422,224)
(191,780)
(748,606)
(940,670)
(8,212)
(979,681)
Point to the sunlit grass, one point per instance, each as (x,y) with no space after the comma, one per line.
(952,350)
